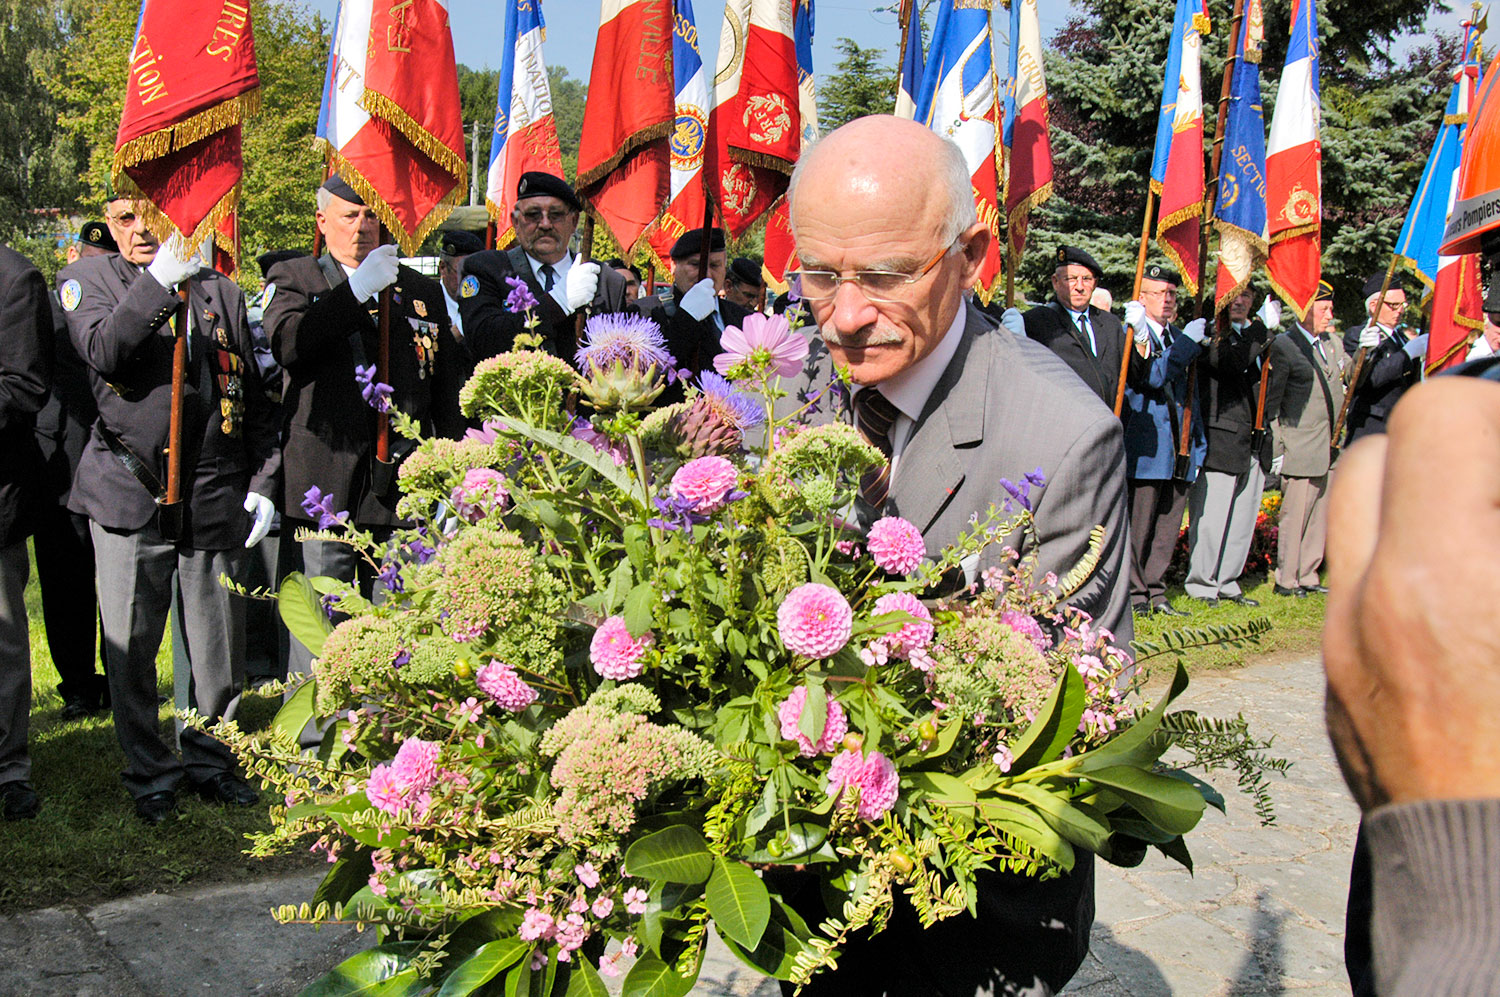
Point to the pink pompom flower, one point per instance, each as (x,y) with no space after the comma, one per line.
(896,545)
(762,339)
(481,493)
(706,482)
(617,655)
(834,727)
(500,682)
(874,775)
(815,620)
(915,635)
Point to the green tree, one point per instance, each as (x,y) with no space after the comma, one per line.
(568,97)
(861,84)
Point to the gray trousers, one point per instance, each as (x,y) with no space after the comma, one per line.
(136,571)
(1156,509)
(1301,530)
(1222,509)
(15,665)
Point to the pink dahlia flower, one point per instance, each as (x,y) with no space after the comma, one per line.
(834,727)
(415,765)
(382,790)
(913,636)
(614,653)
(704,481)
(896,545)
(873,775)
(500,682)
(815,620)
(762,339)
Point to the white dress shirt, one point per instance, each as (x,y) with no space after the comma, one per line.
(560,285)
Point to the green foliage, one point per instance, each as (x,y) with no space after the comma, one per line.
(38,163)
(1214,743)
(568,97)
(861,84)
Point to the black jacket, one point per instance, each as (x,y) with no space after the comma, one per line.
(490,328)
(1386,375)
(25,371)
(1052,326)
(692,342)
(1229,391)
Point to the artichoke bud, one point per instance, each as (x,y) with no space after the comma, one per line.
(701,431)
(620,387)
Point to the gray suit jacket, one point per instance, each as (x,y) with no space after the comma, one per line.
(1310,403)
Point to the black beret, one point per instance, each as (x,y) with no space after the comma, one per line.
(690,243)
(268,260)
(1492,300)
(96,234)
(1325,291)
(460,243)
(339,187)
(1072,254)
(1158,272)
(538,184)
(746,270)
(615,263)
(1372,286)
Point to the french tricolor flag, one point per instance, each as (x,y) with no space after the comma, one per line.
(781,250)
(525,132)
(911,73)
(390,120)
(1294,176)
(1177,163)
(1027,139)
(688,140)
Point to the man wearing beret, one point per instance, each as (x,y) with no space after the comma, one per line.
(544,219)
(1393,357)
(118,311)
(1090,341)
(323,324)
(744,284)
(690,312)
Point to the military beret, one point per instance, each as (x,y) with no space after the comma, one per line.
(460,243)
(690,243)
(1158,272)
(615,263)
(339,187)
(1325,291)
(1072,254)
(96,234)
(538,184)
(1372,286)
(268,260)
(1492,300)
(746,270)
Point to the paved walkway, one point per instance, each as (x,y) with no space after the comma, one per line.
(1264,913)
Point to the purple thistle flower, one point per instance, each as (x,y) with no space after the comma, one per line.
(736,407)
(319,504)
(376,393)
(630,339)
(520,298)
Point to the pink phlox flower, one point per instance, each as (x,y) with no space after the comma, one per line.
(481,493)
(537,924)
(874,775)
(469,710)
(500,682)
(1100,719)
(617,655)
(572,932)
(834,727)
(993,578)
(608,965)
(538,959)
(763,339)
(635,900)
(896,545)
(914,635)
(377,887)
(815,620)
(1027,627)
(578,906)
(707,482)
(587,874)
(628,948)
(1088,665)
(1003,758)
(602,907)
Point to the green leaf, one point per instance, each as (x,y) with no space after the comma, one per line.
(484,965)
(1210,795)
(1170,804)
(297,712)
(650,977)
(348,875)
(944,742)
(802,840)
(1026,824)
(638,609)
(1177,850)
(585,981)
(779,946)
(942,788)
(677,854)
(302,612)
(1136,745)
(602,463)
(377,972)
(738,902)
(619,585)
(1073,823)
(637,545)
(814,712)
(1054,726)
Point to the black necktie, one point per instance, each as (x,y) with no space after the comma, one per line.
(549,277)
(1083,330)
(874,415)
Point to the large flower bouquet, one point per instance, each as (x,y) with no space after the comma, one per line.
(623,665)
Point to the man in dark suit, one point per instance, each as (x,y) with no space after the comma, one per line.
(322,321)
(890,246)
(1089,340)
(118,308)
(691,314)
(25,371)
(1393,357)
(544,218)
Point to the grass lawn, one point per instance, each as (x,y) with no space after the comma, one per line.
(1296,624)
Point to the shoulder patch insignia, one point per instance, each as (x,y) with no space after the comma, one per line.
(267,295)
(71,294)
(467,289)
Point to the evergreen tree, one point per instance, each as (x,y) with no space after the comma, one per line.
(861,84)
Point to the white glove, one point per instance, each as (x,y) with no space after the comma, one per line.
(700,299)
(1012,319)
(1270,313)
(375,274)
(1135,317)
(1276,462)
(1369,337)
(1197,330)
(583,281)
(1416,348)
(169,269)
(264,510)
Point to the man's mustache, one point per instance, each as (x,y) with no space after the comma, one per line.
(880,337)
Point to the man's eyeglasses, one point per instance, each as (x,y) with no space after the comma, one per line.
(875,285)
(553,215)
(124,219)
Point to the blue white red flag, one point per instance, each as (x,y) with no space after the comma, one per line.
(960,100)
(1240,211)
(781,252)
(911,70)
(1294,172)
(688,141)
(1177,161)
(525,131)
(1027,139)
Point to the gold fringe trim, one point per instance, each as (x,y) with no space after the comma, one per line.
(1177,261)
(1023,210)
(986,293)
(1298,310)
(408,242)
(1202,24)
(1455,119)
(1176,218)
(1293,233)
(761,160)
(1462,346)
(633,142)
(1259,249)
(381,106)
(163,227)
(178,136)
(1416,271)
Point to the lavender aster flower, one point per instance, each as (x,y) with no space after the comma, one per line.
(376,393)
(735,407)
(631,340)
(520,298)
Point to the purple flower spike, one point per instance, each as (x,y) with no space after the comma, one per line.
(390,577)
(319,504)
(520,298)
(376,393)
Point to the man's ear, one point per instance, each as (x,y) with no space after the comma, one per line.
(976,242)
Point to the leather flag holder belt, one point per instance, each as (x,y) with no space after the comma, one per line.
(168,514)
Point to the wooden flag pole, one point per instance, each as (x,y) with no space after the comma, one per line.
(1336,441)
(1135,295)
(585,254)
(169,520)
(907,12)
(703,257)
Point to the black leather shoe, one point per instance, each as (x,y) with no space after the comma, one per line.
(1294,593)
(227,789)
(1166,609)
(1140,609)
(1241,600)
(1204,600)
(1315,590)
(20,800)
(155,808)
(75,709)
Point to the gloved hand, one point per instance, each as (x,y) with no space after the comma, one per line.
(375,274)
(1197,330)
(583,281)
(264,510)
(700,299)
(169,269)
(1369,337)
(1135,317)
(1012,319)
(1416,348)
(1270,313)
(1276,463)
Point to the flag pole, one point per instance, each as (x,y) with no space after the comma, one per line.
(382,369)
(169,519)
(1135,295)
(907,12)
(585,253)
(1336,440)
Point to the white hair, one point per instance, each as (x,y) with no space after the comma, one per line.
(325,198)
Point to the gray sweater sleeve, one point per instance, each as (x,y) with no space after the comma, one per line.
(1436,924)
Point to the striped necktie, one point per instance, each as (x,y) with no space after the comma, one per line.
(874,415)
